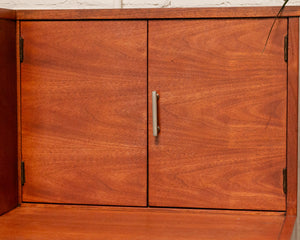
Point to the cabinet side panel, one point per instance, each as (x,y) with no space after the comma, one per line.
(8,119)
(18,24)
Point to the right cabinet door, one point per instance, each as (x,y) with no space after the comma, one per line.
(222,112)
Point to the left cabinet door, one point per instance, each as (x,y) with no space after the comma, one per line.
(84,112)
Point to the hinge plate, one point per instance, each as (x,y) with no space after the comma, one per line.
(284,173)
(21,49)
(22,173)
(286,48)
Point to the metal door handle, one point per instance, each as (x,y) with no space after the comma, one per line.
(156,128)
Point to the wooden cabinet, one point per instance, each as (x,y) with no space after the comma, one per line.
(80,93)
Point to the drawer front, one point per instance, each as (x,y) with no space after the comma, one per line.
(221,112)
(84,112)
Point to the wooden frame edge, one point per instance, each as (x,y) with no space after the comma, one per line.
(156,13)
(287,228)
(292,113)
(18,25)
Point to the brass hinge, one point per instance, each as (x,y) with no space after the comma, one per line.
(21,49)
(284,173)
(22,173)
(286,43)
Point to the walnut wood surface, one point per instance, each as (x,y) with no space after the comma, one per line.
(164,13)
(84,112)
(7,14)
(19,110)
(8,119)
(292,124)
(37,222)
(287,228)
(222,114)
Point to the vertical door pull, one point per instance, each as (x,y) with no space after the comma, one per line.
(156,128)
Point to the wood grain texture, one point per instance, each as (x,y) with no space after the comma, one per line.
(287,228)
(18,71)
(8,119)
(75,222)
(163,13)
(84,112)
(222,114)
(7,14)
(292,124)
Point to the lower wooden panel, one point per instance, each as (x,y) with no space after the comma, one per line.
(85,222)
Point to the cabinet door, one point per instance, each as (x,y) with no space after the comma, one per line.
(221,111)
(84,112)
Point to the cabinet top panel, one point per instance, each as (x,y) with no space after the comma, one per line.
(161,13)
(7,14)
